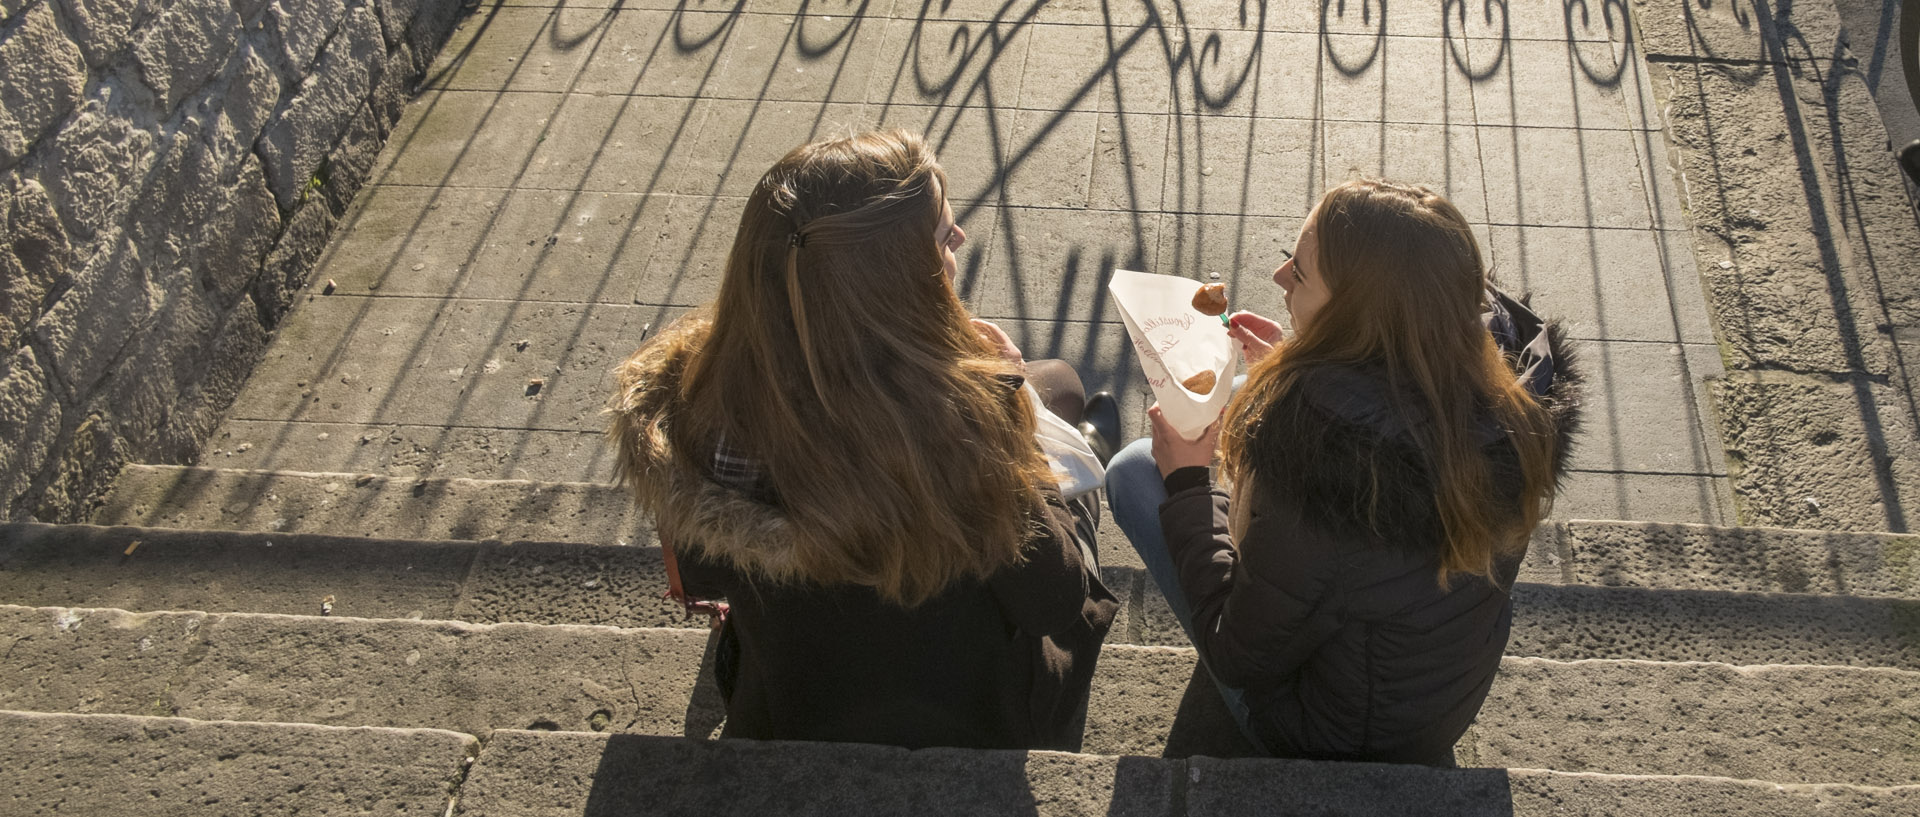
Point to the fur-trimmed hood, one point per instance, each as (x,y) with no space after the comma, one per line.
(1348,455)
(690,509)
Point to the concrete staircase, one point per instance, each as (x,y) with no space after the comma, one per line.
(246,617)
(233,641)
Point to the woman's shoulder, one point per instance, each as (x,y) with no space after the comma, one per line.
(1337,450)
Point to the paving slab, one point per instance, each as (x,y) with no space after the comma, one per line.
(1644,409)
(1054,264)
(466,138)
(803,57)
(1230,73)
(949,63)
(1565,177)
(393,229)
(1446,158)
(650,50)
(565,246)
(547,773)
(1076,67)
(612,144)
(741,138)
(119,764)
(1250,166)
(1417,80)
(1615,284)
(1544,84)
(520,49)
(1648,497)
(460,363)
(1746,32)
(1129,161)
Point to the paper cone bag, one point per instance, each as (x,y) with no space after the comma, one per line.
(1175,342)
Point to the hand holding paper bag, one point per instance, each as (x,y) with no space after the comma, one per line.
(1177,346)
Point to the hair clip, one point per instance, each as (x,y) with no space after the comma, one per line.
(797,239)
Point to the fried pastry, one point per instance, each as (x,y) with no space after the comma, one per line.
(1211,299)
(1201,383)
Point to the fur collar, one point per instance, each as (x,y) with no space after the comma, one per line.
(690,510)
(1348,456)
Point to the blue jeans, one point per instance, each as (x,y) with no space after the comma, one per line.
(1134,492)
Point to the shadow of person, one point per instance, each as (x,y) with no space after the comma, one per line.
(1202,725)
(641,774)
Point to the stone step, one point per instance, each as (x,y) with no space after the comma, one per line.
(88,765)
(568,583)
(522,772)
(1787,724)
(122,764)
(1629,554)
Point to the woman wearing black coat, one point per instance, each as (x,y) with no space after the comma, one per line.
(1347,584)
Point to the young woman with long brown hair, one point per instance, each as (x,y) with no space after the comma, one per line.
(838,449)
(1387,463)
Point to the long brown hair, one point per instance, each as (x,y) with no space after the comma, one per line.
(1406,291)
(839,357)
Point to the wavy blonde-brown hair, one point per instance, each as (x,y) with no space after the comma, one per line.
(1406,292)
(839,357)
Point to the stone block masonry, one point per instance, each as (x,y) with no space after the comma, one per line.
(169,171)
(1809,251)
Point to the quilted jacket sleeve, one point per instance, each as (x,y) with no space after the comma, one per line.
(1259,611)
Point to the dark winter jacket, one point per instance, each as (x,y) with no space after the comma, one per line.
(1003,662)
(1337,628)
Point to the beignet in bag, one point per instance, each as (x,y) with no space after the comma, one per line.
(1176,344)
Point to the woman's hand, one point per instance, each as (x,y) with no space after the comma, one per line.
(1256,335)
(998,339)
(1173,452)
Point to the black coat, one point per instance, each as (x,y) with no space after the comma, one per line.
(1000,662)
(1004,663)
(1337,626)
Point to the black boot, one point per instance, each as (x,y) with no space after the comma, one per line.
(1101,426)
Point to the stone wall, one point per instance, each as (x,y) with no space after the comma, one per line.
(169,171)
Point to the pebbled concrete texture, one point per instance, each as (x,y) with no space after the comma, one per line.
(1247,787)
(1805,236)
(1745,718)
(357,672)
(1770,723)
(1709,558)
(1621,717)
(573,583)
(118,764)
(144,569)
